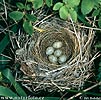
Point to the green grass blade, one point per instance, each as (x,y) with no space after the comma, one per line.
(4,91)
(7,73)
(4,43)
(51,98)
(82,19)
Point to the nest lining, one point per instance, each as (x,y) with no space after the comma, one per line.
(42,74)
(49,39)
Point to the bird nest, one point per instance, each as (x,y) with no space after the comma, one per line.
(40,73)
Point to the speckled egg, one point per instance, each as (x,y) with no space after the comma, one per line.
(62,59)
(57,53)
(49,50)
(52,59)
(57,44)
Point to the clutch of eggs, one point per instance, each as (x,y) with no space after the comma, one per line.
(54,53)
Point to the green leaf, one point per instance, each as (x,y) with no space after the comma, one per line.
(20,5)
(63,12)
(81,17)
(65,1)
(98,45)
(96,12)
(73,14)
(30,0)
(37,4)
(57,6)
(28,27)
(7,73)
(49,3)
(31,17)
(97,1)
(14,28)
(16,15)
(28,7)
(5,41)
(87,6)
(4,91)
(72,3)
(99,22)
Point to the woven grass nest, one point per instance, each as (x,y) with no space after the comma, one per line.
(40,73)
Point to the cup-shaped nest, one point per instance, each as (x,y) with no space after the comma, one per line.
(48,38)
(43,74)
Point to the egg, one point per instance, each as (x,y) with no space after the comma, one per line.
(57,52)
(57,44)
(62,59)
(52,59)
(49,50)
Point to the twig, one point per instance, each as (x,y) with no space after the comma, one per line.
(56,85)
(78,94)
(7,28)
(5,8)
(97,29)
(43,20)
